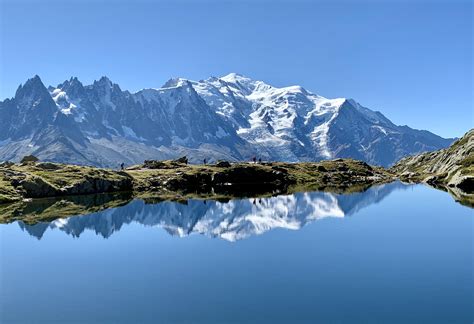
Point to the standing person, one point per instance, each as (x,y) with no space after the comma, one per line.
(205,161)
(122,166)
(254,159)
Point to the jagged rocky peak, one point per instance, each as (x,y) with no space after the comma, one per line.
(73,82)
(103,81)
(33,87)
(73,87)
(105,86)
(35,81)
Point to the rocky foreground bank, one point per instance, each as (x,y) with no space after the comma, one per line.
(177,178)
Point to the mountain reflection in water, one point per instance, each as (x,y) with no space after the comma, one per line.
(233,220)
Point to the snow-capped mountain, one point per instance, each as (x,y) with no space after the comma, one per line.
(232,117)
(234,220)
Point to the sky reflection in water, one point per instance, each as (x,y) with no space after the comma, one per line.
(404,255)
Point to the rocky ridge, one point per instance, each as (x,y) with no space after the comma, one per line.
(451,169)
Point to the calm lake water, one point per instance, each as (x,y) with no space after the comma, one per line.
(392,254)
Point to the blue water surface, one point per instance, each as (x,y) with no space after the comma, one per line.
(393,254)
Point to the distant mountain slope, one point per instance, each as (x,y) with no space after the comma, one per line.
(232,117)
(453,167)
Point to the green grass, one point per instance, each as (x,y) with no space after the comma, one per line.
(7,191)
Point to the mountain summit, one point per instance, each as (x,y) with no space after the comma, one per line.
(232,117)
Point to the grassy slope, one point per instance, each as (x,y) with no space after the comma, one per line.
(7,192)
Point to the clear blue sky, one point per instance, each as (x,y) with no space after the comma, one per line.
(412,60)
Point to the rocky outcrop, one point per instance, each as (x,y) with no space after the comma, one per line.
(37,187)
(246,179)
(237,178)
(29,158)
(452,167)
(251,174)
(223,164)
(38,180)
(92,185)
(182,159)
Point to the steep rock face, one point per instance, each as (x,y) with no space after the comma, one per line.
(231,118)
(185,117)
(33,125)
(453,166)
(31,109)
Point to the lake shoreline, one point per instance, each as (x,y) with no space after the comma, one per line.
(177,180)
(46,179)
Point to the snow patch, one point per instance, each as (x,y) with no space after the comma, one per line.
(381,129)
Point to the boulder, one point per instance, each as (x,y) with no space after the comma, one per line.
(342,168)
(98,185)
(321,168)
(466,184)
(223,164)
(182,160)
(49,166)
(249,174)
(36,187)
(29,158)
(190,182)
(153,164)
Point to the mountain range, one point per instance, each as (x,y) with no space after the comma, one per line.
(231,117)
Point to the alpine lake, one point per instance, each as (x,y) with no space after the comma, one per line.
(393,253)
